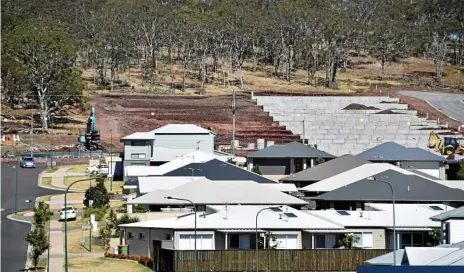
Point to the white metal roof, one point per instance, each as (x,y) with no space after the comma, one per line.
(283,187)
(181,129)
(242,217)
(353,175)
(406,216)
(205,191)
(426,255)
(140,136)
(152,183)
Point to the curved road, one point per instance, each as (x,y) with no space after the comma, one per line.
(450,104)
(14,247)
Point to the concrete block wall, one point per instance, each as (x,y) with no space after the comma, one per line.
(339,132)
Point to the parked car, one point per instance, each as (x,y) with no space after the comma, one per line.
(27,162)
(97,169)
(69,212)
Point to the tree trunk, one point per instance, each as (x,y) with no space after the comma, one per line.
(440,61)
(330,73)
(255,58)
(383,65)
(242,87)
(184,73)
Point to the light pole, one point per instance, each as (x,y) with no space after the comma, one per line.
(48,252)
(90,229)
(393,202)
(195,229)
(256,234)
(16,188)
(66,221)
(111,161)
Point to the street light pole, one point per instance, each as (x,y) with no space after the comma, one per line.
(195,229)
(111,161)
(66,221)
(256,234)
(16,188)
(394,223)
(48,251)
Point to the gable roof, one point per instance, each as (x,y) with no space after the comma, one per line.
(407,188)
(452,214)
(218,170)
(406,216)
(327,169)
(148,184)
(140,136)
(353,175)
(290,150)
(181,129)
(205,191)
(392,151)
(241,217)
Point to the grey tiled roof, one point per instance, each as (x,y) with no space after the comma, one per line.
(407,188)
(327,169)
(391,151)
(290,150)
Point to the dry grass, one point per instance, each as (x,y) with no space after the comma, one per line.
(363,75)
(74,241)
(117,185)
(100,264)
(80,168)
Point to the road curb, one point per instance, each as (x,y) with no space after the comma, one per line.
(11,217)
(39,183)
(441,111)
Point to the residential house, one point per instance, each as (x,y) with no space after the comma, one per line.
(165,144)
(407,158)
(218,170)
(441,255)
(407,188)
(225,227)
(374,225)
(452,225)
(282,160)
(323,171)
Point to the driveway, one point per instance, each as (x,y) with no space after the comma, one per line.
(14,247)
(450,104)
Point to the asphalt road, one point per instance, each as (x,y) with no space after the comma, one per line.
(14,247)
(450,104)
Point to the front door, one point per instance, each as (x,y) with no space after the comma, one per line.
(156,255)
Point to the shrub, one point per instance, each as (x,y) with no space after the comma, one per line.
(98,194)
(256,169)
(98,212)
(141,209)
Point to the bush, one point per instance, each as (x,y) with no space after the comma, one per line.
(98,194)
(256,169)
(141,209)
(98,212)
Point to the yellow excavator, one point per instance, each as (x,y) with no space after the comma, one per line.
(448,146)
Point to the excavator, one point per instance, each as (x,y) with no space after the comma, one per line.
(91,139)
(448,146)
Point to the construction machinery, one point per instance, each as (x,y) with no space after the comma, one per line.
(446,146)
(91,139)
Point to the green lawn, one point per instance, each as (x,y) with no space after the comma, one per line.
(100,264)
(47,181)
(52,170)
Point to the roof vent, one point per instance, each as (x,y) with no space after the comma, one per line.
(361,214)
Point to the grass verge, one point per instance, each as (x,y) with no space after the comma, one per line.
(100,264)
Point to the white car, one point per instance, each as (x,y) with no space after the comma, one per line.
(69,212)
(97,169)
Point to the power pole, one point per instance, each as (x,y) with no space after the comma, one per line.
(233,122)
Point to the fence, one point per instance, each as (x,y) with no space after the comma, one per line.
(269,260)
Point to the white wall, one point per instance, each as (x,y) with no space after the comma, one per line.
(430,168)
(456,231)
(178,233)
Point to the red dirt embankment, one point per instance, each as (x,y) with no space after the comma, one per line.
(125,115)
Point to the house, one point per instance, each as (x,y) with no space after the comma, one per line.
(282,160)
(407,158)
(441,255)
(408,189)
(452,225)
(181,161)
(325,170)
(203,192)
(165,144)
(225,227)
(374,225)
(218,170)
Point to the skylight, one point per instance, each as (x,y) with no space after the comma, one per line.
(435,207)
(276,209)
(343,212)
(290,215)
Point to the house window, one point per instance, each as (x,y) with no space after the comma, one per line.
(130,235)
(412,239)
(365,240)
(201,208)
(141,236)
(138,143)
(168,237)
(320,241)
(138,156)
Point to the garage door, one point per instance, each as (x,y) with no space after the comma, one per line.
(287,241)
(204,242)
